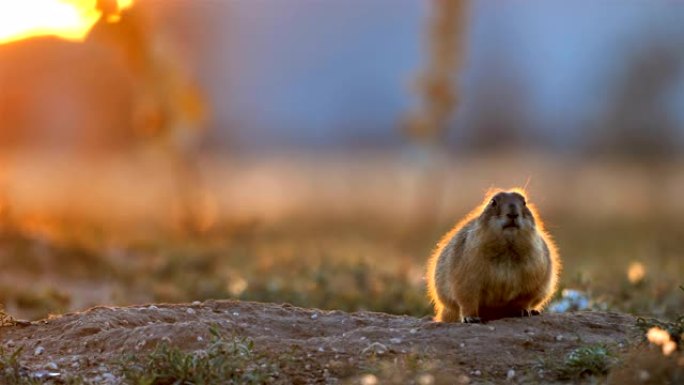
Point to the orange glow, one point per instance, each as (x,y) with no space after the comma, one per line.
(66,19)
(661,338)
(636,272)
(123,4)
(39,227)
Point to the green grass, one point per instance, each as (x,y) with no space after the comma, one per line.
(224,361)
(591,360)
(588,361)
(11,372)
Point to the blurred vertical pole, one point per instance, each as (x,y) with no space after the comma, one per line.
(438,96)
(8,139)
(170,110)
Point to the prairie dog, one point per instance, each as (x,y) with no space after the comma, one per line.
(497,262)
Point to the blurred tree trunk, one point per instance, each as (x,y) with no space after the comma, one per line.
(437,91)
(169,109)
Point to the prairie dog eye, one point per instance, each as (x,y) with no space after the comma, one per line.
(493,202)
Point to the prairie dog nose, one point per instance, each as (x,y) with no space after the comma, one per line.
(513,211)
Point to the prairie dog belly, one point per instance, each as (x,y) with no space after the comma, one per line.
(507,283)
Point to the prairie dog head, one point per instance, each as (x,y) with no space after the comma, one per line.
(507,213)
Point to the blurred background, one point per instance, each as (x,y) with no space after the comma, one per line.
(313,152)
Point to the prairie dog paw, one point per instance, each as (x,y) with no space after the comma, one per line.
(529,312)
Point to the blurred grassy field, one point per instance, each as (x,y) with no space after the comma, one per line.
(346,236)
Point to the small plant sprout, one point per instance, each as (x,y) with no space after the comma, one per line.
(587,361)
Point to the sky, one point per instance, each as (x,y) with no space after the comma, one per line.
(318,72)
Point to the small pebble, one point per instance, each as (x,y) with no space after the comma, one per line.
(476,373)
(559,337)
(375,348)
(140,345)
(44,376)
(200,339)
(39,350)
(462,344)
(413,331)
(314,316)
(510,374)
(369,379)
(152,307)
(426,379)
(51,366)
(492,328)
(236,314)
(395,340)
(196,303)
(190,310)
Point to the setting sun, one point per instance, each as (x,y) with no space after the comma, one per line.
(67,19)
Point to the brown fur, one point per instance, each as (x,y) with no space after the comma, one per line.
(497,262)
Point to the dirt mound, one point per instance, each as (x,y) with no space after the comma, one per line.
(313,346)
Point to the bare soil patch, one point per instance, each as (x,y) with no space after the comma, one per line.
(314,346)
